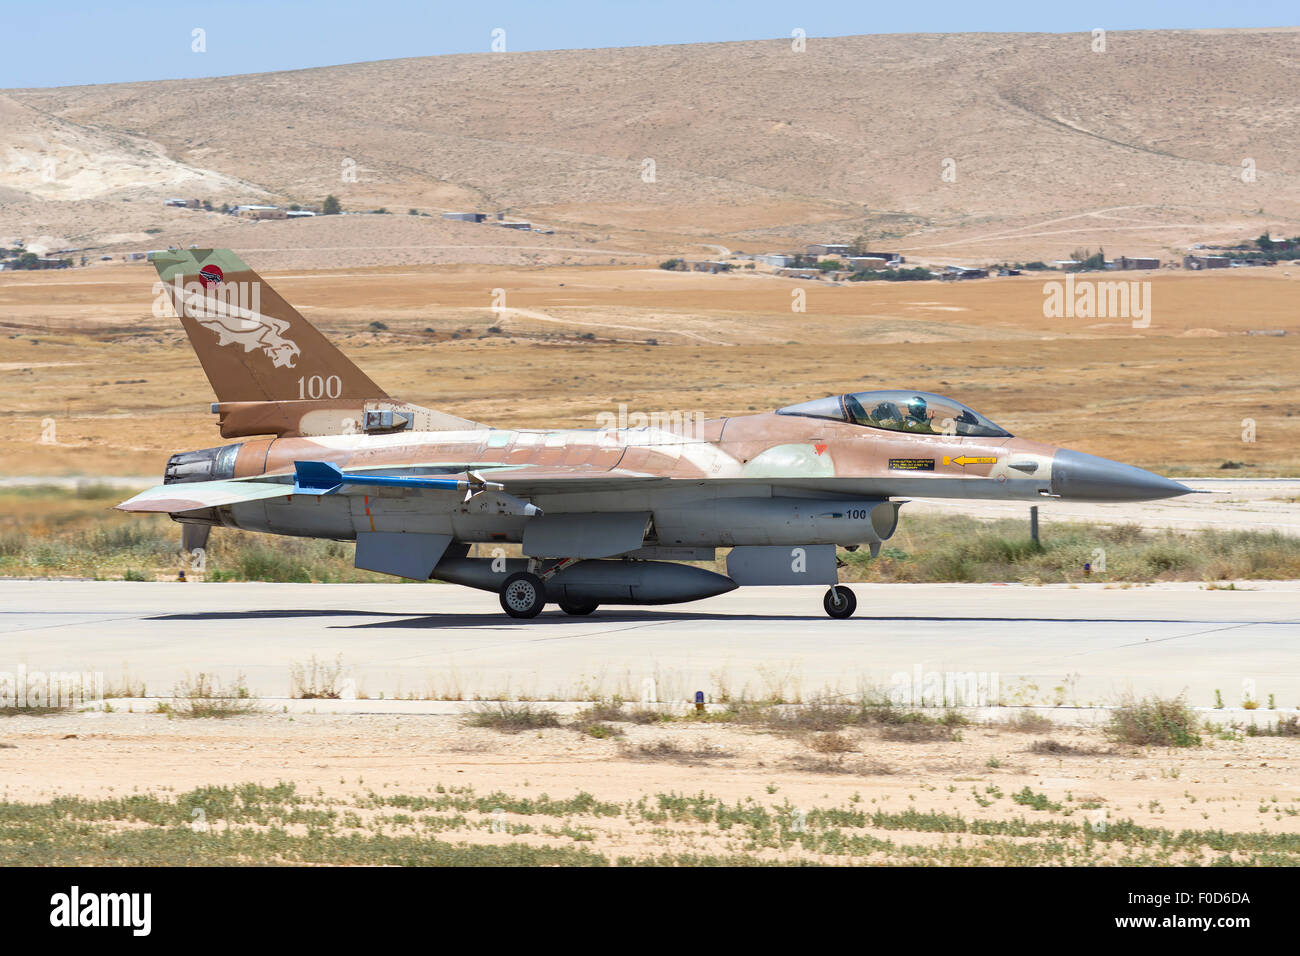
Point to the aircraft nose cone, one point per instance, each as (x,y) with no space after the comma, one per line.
(1089,478)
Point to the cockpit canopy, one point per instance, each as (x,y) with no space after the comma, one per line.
(919,413)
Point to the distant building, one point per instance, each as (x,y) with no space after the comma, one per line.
(1206,262)
(705,265)
(181,203)
(465,216)
(828,249)
(1136,262)
(1067,263)
(44,262)
(800,273)
(514,224)
(961,272)
(893,258)
(868,263)
(259,212)
(298,213)
(777,259)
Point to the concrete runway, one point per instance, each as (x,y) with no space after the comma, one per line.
(440,640)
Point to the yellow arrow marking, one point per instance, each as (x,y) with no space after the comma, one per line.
(965,460)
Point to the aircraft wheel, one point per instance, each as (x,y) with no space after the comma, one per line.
(840,602)
(523,595)
(578,610)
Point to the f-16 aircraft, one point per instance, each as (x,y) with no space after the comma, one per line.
(602,515)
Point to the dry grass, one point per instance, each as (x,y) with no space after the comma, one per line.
(1028,722)
(206,695)
(666,749)
(838,765)
(1056,748)
(316,679)
(831,743)
(512,717)
(1288,726)
(598,729)
(919,732)
(49,531)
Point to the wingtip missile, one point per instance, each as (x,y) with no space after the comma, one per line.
(326,478)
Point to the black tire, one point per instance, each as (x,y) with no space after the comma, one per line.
(840,602)
(576,608)
(523,595)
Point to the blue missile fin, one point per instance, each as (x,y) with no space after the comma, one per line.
(316,478)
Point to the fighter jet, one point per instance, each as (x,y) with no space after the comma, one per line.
(605,515)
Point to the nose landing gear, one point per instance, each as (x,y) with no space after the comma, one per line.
(840,602)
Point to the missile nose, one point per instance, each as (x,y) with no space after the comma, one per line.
(1089,478)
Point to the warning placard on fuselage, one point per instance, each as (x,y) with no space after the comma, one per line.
(911,464)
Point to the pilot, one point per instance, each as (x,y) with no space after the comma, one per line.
(966,420)
(887,415)
(918,417)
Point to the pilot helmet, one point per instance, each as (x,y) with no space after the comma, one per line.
(917,407)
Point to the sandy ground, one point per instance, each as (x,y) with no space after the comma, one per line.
(122,389)
(1246,785)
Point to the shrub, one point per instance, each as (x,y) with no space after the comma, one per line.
(513,717)
(1154,721)
(205,695)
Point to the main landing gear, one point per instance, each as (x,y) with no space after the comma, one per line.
(578,610)
(840,602)
(523,595)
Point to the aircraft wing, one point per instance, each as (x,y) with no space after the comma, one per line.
(525,480)
(193,495)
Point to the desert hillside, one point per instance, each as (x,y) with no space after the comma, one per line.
(755,146)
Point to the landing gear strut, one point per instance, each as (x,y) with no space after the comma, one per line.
(523,595)
(840,602)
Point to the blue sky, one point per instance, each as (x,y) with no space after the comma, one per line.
(78,41)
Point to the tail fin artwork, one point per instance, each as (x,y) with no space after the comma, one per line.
(254,346)
(272,371)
